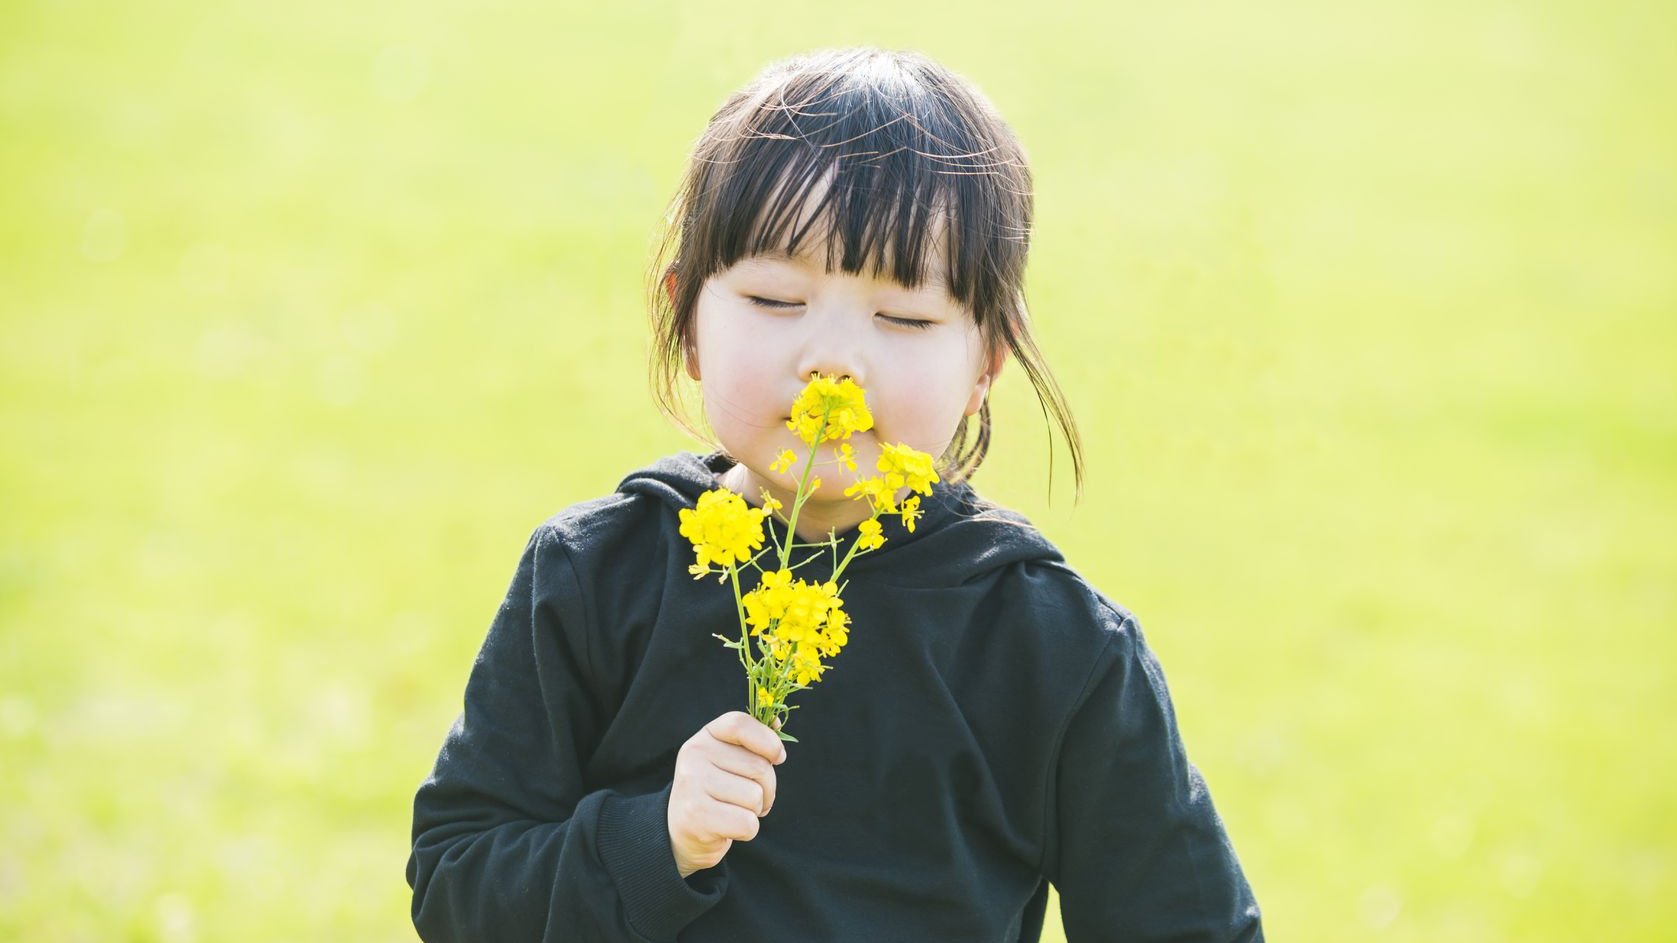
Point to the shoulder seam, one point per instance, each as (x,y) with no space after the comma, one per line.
(588,507)
(551,531)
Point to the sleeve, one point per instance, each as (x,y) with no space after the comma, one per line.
(507,843)
(1136,850)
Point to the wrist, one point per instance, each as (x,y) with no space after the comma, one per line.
(634,845)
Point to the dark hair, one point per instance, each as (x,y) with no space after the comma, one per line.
(907,148)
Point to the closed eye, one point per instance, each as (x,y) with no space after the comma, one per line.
(772,304)
(908,323)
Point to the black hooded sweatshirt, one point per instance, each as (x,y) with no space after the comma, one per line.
(994,724)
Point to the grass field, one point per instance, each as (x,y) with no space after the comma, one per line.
(309,313)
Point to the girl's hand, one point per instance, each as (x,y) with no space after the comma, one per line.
(724,782)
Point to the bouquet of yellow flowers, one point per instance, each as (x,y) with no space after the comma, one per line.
(787,626)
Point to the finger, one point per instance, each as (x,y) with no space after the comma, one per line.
(748,794)
(726,820)
(741,762)
(741,728)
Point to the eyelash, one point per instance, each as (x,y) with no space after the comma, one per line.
(778,305)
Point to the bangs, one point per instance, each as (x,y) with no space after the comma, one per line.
(870,172)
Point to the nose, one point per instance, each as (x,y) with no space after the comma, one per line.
(832,346)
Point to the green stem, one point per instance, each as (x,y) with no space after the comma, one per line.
(805,561)
(853,545)
(774,539)
(745,634)
(803,494)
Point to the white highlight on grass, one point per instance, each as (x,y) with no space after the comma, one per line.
(339,380)
(176,922)
(228,352)
(204,268)
(1520,873)
(1379,906)
(17,718)
(370,328)
(342,715)
(1452,834)
(104,236)
(400,73)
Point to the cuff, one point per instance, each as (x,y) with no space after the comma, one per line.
(634,842)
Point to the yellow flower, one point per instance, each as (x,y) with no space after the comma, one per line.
(806,666)
(882,497)
(906,466)
(784,461)
(769,502)
(814,483)
(798,622)
(842,404)
(871,538)
(763,698)
(723,529)
(838,631)
(847,455)
(911,512)
(768,601)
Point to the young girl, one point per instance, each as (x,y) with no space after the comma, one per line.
(994,726)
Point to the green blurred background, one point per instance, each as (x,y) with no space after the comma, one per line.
(309,314)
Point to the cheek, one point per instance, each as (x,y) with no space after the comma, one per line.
(719,352)
(928,405)
(734,382)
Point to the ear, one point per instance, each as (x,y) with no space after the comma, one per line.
(690,358)
(975,402)
(689,351)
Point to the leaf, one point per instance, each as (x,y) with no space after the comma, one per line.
(785,736)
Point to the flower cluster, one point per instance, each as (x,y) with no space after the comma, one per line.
(797,621)
(723,529)
(790,627)
(829,409)
(900,467)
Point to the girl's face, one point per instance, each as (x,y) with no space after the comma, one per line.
(762,328)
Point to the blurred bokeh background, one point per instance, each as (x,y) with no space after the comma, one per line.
(309,313)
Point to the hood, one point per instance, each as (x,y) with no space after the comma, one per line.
(960,536)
